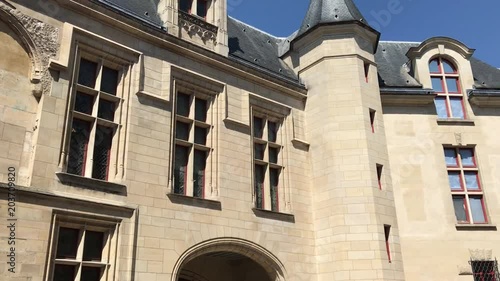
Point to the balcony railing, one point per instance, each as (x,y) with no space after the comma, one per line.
(196,25)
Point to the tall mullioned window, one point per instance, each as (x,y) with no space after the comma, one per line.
(267,160)
(465,185)
(193,131)
(94,117)
(446,83)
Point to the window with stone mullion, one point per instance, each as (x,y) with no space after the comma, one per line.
(267,164)
(446,83)
(192,147)
(96,99)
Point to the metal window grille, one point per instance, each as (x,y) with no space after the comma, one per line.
(485,270)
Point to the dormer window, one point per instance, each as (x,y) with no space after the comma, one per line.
(445,82)
(194,7)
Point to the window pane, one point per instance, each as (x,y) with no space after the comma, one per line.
(273,155)
(102,152)
(106,110)
(109,80)
(448,68)
(471,180)
(452,84)
(64,272)
(451,157)
(437,85)
(180,168)
(67,243)
(274,177)
(259,150)
(91,273)
(259,186)
(200,160)
(258,127)
(200,110)
(455,181)
(87,73)
(441,109)
(272,131)
(457,107)
(202,8)
(476,205)
(182,131)
(467,156)
(185,5)
(200,135)
(77,155)
(434,67)
(458,204)
(84,103)
(183,104)
(93,245)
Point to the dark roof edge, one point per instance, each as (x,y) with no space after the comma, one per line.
(357,22)
(483,93)
(267,71)
(406,91)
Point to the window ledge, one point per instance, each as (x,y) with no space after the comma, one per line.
(267,214)
(476,227)
(153,96)
(195,202)
(90,183)
(302,144)
(455,121)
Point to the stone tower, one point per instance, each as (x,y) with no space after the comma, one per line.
(355,221)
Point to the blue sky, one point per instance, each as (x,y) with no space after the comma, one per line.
(474,22)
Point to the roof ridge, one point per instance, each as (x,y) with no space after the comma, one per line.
(256,28)
(390,41)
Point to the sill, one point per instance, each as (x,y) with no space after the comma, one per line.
(267,214)
(90,183)
(476,227)
(153,97)
(195,202)
(455,121)
(301,144)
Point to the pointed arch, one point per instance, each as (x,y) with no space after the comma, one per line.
(8,17)
(234,245)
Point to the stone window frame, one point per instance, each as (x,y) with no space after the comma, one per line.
(194,4)
(109,226)
(465,192)
(269,110)
(117,57)
(446,94)
(191,84)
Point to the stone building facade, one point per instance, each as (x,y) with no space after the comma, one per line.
(162,140)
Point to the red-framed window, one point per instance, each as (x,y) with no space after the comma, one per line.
(192,143)
(484,270)
(93,126)
(196,7)
(379,175)
(387,235)
(446,83)
(465,185)
(372,119)
(268,168)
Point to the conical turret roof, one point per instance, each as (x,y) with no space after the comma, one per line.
(330,11)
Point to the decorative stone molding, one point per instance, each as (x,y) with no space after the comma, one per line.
(235,245)
(40,41)
(195,25)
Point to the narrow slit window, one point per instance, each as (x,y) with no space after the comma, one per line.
(367,72)
(372,119)
(387,234)
(379,175)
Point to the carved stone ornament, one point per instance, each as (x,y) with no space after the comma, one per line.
(40,41)
(197,26)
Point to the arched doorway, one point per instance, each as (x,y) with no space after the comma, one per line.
(228,259)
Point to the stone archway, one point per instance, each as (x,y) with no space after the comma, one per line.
(227,259)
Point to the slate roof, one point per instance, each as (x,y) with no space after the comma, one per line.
(330,11)
(395,69)
(144,10)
